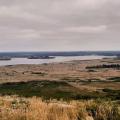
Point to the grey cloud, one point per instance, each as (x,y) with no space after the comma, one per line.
(59,25)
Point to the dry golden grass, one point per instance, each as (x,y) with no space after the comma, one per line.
(58,71)
(14,108)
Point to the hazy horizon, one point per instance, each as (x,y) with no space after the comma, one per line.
(66,51)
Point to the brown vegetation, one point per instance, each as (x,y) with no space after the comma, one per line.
(14,108)
(59,71)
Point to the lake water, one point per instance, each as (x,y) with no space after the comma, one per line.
(15,61)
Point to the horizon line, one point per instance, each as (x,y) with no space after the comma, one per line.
(65,51)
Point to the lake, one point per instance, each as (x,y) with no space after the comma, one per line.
(15,61)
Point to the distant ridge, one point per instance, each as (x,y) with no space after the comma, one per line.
(63,53)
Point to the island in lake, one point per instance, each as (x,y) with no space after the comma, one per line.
(5,58)
(41,57)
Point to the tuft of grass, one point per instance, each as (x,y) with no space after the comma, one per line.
(19,108)
(39,73)
(115,79)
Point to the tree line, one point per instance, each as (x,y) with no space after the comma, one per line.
(115,66)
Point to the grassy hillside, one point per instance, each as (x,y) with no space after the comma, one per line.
(56,90)
(14,108)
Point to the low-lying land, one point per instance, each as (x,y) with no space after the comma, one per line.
(91,89)
(68,80)
(73,70)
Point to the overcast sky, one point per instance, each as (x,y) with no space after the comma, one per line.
(58,25)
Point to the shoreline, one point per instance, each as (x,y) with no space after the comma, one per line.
(75,69)
(20,61)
